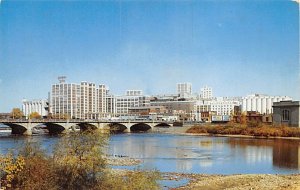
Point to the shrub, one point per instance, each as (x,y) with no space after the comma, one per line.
(77,162)
(252,128)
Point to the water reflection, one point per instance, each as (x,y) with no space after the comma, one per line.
(194,154)
(210,154)
(286,155)
(283,153)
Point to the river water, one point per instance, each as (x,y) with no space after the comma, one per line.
(192,154)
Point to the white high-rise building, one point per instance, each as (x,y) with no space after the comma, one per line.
(39,106)
(92,101)
(206,93)
(184,89)
(261,103)
(65,100)
(84,100)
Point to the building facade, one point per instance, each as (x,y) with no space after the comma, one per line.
(287,113)
(39,106)
(92,100)
(184,89)
(261,103)
(131,99)
(81,101)
(206,93)
(220,105)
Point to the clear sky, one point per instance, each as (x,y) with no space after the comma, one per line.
(237,47)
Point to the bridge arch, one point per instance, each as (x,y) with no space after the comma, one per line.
(87,126)
(162,125)
(54,128)
(16,129)
(140,127)
(117,127)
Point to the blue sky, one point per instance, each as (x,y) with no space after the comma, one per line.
(237,47)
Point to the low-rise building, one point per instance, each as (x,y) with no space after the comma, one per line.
(207,115)
(147,110)
(133,98)
(287,113)
(38,106)
(261,103)
(220,105)
(185,108)
(249,116)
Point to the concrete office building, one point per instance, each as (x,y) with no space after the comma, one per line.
(183,109)
(39,106)
(131,99)
(184,89)
(287,113)
(220,105)
(261,103)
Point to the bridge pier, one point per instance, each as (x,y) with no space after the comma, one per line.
(20,128)
(28,132)
(127,130)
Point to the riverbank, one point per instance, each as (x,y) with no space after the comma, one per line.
(183,131)
(228,182)
(242,182)
(245,131)
(218,182)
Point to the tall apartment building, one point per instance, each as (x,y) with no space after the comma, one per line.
(206,92)
(261,103)
(39,106)
(92,100)
(84,100)
(131,99)
(65,100)
(184,89)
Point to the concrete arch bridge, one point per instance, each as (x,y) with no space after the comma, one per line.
(25,127)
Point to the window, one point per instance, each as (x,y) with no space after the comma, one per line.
(285,115)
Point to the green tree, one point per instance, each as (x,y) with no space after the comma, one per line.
(16,113)
(35,115)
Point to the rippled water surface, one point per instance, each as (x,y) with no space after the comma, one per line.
(193,154)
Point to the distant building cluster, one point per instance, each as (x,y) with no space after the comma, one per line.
(90,101)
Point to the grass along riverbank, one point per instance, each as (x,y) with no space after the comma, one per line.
(240,129)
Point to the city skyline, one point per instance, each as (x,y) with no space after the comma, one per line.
(235,47)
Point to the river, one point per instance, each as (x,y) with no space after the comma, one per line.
(192,154)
